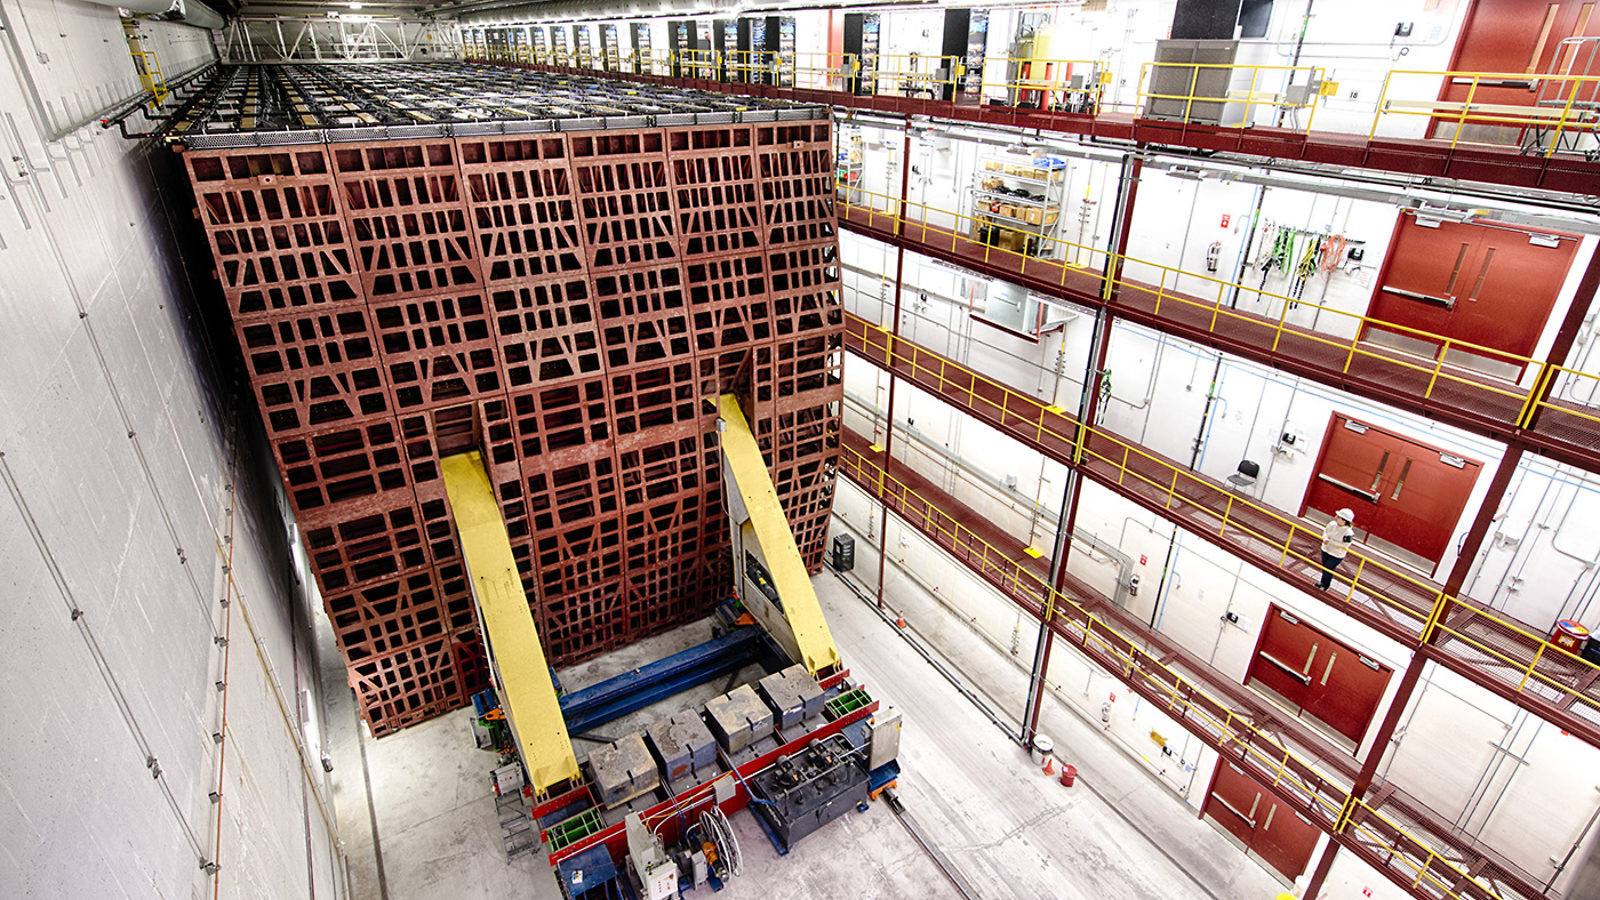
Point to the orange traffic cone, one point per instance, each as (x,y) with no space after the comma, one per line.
(900,619)
(1049,765)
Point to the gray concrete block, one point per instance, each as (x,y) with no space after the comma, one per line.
(793,694)
(683,744)
(623,770)
(738,718)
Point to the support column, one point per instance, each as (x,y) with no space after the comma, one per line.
(1088,409)
(1470,545)
(1121,222)
(894,333)
(1320,873)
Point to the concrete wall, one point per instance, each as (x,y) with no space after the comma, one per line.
(135,501)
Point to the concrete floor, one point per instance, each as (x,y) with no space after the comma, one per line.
(1009,830)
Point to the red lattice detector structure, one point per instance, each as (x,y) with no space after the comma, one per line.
(567,298)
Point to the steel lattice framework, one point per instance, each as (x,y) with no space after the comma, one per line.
(567,289)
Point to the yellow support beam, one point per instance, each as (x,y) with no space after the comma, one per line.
(521,674)
(762,530)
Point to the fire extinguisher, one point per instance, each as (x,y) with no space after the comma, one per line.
(1213,256)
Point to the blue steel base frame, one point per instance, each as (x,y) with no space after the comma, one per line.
(594,706)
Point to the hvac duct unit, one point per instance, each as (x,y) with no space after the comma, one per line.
(1189,83)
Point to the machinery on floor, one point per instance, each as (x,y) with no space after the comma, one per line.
(646,812)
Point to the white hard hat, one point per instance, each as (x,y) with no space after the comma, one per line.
(1346,514)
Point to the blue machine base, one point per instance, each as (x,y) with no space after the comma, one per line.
(594,706)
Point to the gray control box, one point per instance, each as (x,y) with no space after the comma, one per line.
(682,743)
(623,770)
(793,694)
(739,718)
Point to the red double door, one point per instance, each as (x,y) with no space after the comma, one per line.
(1401,490)
(1482,283)
(1323,677)
(1267,826)
(1516,38)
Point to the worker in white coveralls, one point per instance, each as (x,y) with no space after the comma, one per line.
(1336,538)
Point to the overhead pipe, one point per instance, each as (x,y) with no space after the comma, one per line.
(189,12)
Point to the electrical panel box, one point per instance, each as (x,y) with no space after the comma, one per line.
(508,779)
(793,695)
(811,788)
(658,874)
(883,740)
(683,744)
(739,718)
(623,770)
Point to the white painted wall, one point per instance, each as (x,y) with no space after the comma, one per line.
(1541,561)
(117,467)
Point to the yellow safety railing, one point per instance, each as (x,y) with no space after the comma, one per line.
(1257,94)
(1568,107)
(146,64)
(1560,382)
(1572,109)
(1219,306)
(1062,256)
(1186,700)
(1032,419)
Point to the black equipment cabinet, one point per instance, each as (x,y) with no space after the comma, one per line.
(861,48)
(641,48)
(966,42)
(685,35)
(844,553)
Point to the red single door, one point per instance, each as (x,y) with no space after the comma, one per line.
(1346,689)
(1285,840)
(1266,826)
(1233,802)
(1421,273)
(1421,500)
(1286,656)
(1504,298)
(1355,459)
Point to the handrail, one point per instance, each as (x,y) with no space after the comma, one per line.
(1563,114)
(1029,418)
(1221,308)
(1277,100)
(1546,126)
(1186,700)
